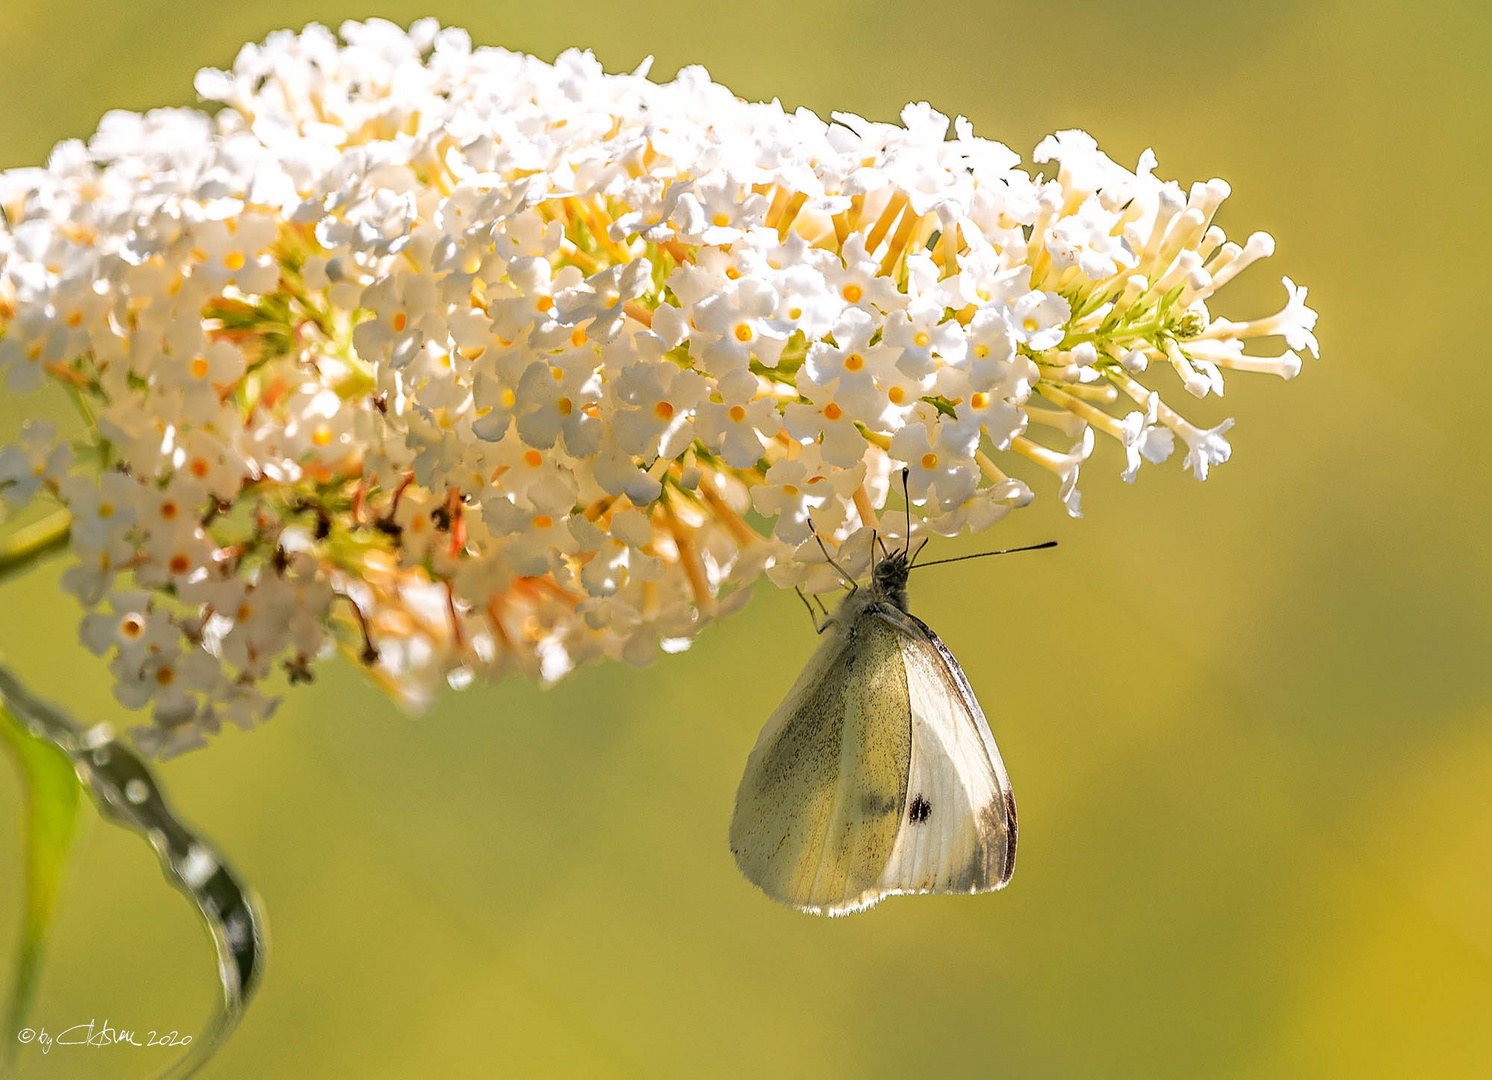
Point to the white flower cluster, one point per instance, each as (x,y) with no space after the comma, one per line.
(478,364)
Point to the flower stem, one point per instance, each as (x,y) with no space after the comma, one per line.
(34,542)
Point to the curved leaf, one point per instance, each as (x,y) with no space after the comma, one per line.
(128,794)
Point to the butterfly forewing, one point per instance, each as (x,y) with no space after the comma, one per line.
(824,793)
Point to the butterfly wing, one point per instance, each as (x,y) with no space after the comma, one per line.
(957,832)
(821,802)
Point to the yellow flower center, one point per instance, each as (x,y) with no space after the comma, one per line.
(533,459)
(852,293)
(663,410)
(565,406)
(720,221)
(737,414)
(743,332)
(978,400)
(854,362)
(199,368)
(981,351)
(399,322)
(929,461)
(322,436)
(543,521)
(832,411)
(921,339)
(896,395)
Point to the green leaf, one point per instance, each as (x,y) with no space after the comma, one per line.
(52,789)
(943,405)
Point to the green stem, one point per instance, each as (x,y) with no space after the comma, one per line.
(34,542)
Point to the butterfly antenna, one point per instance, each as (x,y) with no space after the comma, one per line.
(907,498)
(985,554)
(913,561)
(843,573)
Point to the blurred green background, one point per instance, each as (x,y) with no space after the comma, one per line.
(1247,721)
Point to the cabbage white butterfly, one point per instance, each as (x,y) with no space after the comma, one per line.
(877,774)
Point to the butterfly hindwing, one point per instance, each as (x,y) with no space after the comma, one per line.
(822,800)
(958,831)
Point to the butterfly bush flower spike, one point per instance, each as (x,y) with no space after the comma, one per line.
(473,364)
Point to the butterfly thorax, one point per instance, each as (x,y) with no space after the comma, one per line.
(889,578)
(886,589)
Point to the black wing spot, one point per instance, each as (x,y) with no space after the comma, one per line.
(919,811)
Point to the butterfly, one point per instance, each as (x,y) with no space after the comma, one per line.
(877,774)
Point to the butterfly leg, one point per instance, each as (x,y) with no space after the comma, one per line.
(843,573)
(818,627)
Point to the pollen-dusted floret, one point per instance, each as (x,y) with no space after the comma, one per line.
(476,364)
